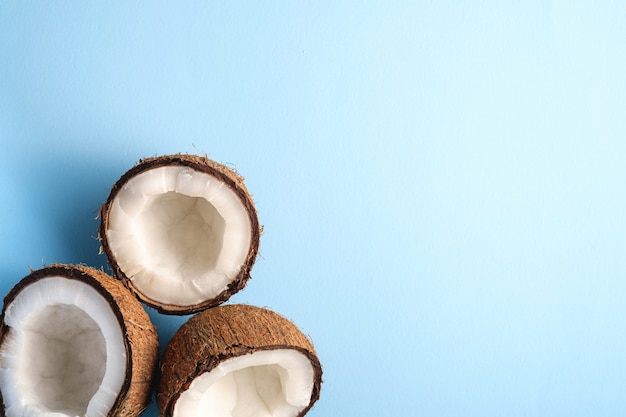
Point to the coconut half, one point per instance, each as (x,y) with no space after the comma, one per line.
(181,231)
(238,361)
(74,342)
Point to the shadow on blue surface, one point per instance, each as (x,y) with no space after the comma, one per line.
(57,196)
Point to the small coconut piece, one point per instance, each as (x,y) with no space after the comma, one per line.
(237,361)
(74,342)
(181,231)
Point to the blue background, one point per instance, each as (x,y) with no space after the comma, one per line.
(441,183)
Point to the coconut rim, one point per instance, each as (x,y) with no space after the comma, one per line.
(207,166)
(212,362)
(76,273)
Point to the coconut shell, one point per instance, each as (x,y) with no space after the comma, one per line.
(205,165)
(222,333)
(139,334)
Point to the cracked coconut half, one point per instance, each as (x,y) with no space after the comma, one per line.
(238,361)
(181,231)
(75,342)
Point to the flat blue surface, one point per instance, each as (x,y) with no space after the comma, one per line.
(441,183)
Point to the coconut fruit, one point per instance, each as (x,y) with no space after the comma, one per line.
(238,361)
(181,231)
(74,342)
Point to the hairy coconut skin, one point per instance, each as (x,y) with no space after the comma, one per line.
(222,333)
(139,334)
(202,164)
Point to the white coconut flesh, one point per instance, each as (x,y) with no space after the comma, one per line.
(268,383)
(64,353)
(180,235)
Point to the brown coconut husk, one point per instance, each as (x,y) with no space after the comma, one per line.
(221,333)
(139,334)
(202,164)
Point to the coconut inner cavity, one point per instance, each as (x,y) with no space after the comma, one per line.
(56,359)
(272,383)
(180,235)
(65,356)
